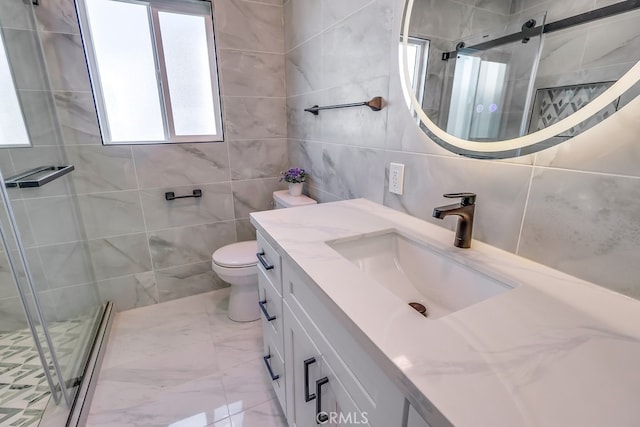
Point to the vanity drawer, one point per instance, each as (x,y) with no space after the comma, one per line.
(369,387)
(269,262)
(270,312)
(274,370)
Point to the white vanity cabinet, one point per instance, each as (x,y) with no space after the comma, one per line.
(314,392)
(373,394)
(325,371)
(270,300)
(341,274)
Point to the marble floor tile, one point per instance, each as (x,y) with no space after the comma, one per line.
(265,415)
(198,402)
(136,337)
(141,344)
(143,378)
(246,386)
(242,347)
(224,423)
(173,312)
(184,363)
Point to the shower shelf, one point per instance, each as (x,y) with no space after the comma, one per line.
(37,177)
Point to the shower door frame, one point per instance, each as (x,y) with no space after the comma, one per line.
(4,196)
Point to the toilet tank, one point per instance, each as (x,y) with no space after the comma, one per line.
(282,199)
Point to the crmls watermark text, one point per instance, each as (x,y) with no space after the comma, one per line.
(342,418)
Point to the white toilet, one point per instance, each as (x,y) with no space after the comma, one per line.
(236,265)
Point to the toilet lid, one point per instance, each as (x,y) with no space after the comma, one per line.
(242,254)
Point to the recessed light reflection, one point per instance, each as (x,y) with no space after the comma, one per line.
(402,362)
(220,413)
(236,407)
(238,420)
(198,420)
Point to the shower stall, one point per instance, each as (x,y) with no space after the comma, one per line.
(52,319)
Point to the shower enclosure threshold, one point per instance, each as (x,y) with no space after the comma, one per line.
(60,415)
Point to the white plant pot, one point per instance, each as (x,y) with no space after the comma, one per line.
(295,188)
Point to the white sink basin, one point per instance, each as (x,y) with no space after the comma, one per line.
(415,272)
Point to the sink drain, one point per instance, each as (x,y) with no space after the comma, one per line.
(419,308)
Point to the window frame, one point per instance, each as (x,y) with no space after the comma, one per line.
(419,72)
(4,50)
(420,69)
(203,8)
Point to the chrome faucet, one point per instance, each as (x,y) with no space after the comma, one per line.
(465,210)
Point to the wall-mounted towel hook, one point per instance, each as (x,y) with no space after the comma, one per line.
(376,104)
(170,195)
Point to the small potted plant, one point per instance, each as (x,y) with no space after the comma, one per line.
(295,177)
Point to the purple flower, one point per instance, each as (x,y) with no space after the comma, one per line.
(294,175)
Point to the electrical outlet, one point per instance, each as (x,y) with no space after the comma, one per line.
(396,178)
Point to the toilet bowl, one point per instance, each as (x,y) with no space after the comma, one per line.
(236,264)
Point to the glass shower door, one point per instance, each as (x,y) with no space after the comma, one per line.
(47,282)
(63,325)
(490,83)
(27,376)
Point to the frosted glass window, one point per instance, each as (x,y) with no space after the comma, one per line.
(121,36)
(417,58)
(153,70)
(412,54)
(12,127)
(186,56)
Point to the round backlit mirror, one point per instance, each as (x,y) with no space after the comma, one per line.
(499,79)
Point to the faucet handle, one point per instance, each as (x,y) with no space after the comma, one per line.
(467,198)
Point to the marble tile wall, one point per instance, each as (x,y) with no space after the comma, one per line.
(141,249)
(573,207)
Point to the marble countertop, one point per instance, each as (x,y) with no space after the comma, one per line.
(554,351)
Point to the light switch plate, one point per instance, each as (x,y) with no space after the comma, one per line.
(396,178)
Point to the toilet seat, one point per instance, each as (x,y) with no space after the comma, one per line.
(237,273)
(237,255)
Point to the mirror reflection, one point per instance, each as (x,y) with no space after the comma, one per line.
(495,70)
(13,131)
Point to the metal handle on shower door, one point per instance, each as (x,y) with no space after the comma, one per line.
(28,178)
